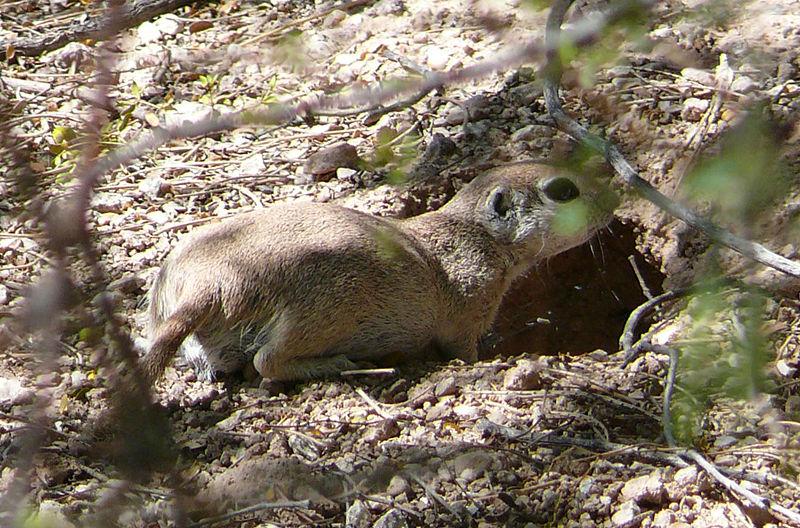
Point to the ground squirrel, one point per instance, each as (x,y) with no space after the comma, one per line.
(304,290)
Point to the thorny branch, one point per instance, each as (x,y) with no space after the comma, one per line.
(553,70)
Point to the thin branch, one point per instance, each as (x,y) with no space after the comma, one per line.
(553,71)
(261,506)
(92,28)
(626,341)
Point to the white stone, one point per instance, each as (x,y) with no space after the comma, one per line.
(13,392)
(169,25)
(148,32)
(436,58)
(626,516)
(704,77)
(694,108)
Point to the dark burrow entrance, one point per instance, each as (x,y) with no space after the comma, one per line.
(576,302)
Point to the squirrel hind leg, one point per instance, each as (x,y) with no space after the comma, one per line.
(168,337)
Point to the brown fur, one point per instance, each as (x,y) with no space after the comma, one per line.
(303,290)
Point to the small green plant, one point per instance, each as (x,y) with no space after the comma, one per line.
(269,96)
(724,354)
(65,151)
(210,84)
(395,153)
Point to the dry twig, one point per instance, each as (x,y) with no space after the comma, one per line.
(94,28)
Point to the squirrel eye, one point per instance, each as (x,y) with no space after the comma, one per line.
(560,190)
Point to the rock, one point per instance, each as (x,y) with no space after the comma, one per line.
(472,465)
(473,109)
(3,295)
(526,375)
(727,460)
(436,58)
(157,217)
(169,24)
(148,32)
(586,487)
(685,477)
(391,519)
(626,516)
(468,412)
(264,478)
(647,489)
(12,392)
(127,283)
(526,94)
(743,84)
(446,387)
(663,519)
(111,202)
(693,109)
(439,148)
(385,430)
(421,393)
(154,187)
(345,174)
(252,166)
(718,515)
(345,59)
(357,515)
(619,71)
(78,379)
(304,447)
(439,411)
(322,165)
(724,441)
(703,77)
(782,366)
(50,514)
(390,7)
(786,72)
(529,132)
(74,53)
(397,486)
(334,18)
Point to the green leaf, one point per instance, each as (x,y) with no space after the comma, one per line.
(745,178)
(571,218)
(63,134)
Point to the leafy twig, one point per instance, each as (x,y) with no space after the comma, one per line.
(553,71)
(758,501)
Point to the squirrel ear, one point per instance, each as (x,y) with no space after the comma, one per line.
(500,201)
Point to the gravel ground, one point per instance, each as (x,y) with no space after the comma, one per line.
(550,427)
